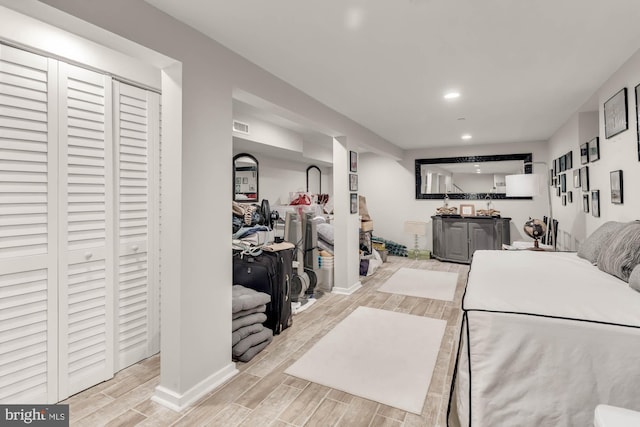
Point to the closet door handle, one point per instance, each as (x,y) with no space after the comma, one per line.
(88,255)
(135,248)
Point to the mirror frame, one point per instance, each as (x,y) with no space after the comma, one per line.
(233,180)
(525,157)
(319,178)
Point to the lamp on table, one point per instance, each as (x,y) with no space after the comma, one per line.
(417,228)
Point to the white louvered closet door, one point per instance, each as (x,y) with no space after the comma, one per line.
(86,229)
(28,260)
(136,115)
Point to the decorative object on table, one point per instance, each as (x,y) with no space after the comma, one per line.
(354,203)
(595,203)
(447,211)
(615,114)
(353,182)
(563,183)
(353,161)
(638,118)
(467,210)
(584,153)
(570,196)
(585,203)
(576,178)
(594,149)
(487,212)
(418,229)
(616,187)
(535,229)
(584,178)
(531,185)
(569,160)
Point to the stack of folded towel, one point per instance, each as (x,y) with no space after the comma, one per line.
(249,334)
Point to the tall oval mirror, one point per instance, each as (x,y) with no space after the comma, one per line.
(314,178)
(245,178)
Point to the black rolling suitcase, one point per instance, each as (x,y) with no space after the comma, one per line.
(269,272)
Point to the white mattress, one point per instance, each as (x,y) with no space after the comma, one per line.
(544,348)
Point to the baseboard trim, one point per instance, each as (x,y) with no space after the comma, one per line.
(346,291)
(178,402)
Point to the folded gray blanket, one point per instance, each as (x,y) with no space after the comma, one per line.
(248,320)
(245,331)
(242,313)
(252,340)
(245,298)
(249,354)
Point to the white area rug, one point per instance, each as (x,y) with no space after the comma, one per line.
(377,354)
(422,283)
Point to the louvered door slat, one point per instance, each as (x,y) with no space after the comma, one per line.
(86,264)
(28,285)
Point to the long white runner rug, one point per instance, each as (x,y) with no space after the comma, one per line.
(379,355)
(422,283)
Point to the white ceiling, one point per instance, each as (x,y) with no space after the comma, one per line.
(522,66)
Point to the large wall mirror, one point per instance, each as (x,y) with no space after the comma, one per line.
(471,177)
(245,178)
(314,180)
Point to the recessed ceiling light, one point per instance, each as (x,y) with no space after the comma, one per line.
(466,136)
(477,166)
(478,171)
(451,95)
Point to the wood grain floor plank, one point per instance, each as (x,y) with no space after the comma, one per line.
(271,407)
(359,413)
(328,414)
(128,419)
(380,421)
(299,411)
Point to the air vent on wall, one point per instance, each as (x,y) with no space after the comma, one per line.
(240,127)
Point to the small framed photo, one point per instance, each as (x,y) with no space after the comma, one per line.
(558,191)
(563,164)
(576,178)
(584,153)
(354,203)
(353,161)
(585,203)
(616,187)
(564,200)
(353,182)
(615,114)
(238,180)
(570,196)
(556,166)
(551,178)
(467,210)
(595,203)
(563,183)
(638,117)
(584,178)
(245,180)
(569,160)
(594,149)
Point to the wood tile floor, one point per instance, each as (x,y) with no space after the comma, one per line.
(262,395)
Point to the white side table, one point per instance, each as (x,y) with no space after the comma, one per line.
(612,416)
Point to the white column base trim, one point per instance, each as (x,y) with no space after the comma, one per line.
(346,291)
(178,402)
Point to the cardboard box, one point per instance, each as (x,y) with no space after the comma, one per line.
(366,225)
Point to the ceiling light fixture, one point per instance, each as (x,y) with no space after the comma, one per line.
(452,95)
(466,136)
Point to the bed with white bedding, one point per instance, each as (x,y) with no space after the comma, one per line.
(546,337)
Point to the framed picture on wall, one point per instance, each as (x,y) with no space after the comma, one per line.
(353,161)
(615,114)
(564,200)
(584,153)
(595,203)
(616,187)
(594,149)
(563,183)
(467,210)
(353,182)
(563,165)
(569,160)
(576,178)
(585,203)
(584,178)
(558,191)
(354,203)
(638,117)
(570,196)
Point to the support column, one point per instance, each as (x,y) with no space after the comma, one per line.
(346,263)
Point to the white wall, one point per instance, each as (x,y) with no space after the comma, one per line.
(619,152)
(389,187)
